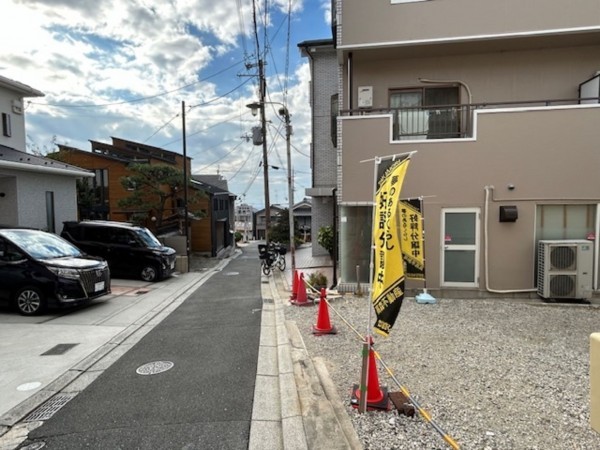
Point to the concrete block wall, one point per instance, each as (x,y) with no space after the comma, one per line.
(325,85)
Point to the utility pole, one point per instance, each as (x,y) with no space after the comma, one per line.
(263,125)
(185,186)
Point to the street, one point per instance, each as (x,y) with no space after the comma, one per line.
(188,383)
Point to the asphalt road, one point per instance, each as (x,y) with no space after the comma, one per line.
(203,401)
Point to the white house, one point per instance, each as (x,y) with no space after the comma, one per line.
(35,192)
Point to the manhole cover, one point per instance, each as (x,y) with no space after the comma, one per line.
(29,386)
(154,367)
(48,409)
(229,274)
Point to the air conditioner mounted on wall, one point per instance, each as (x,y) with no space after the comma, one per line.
(565,269)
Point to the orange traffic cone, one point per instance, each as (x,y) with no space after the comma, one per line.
(294,286)
(377,397)
(302,297)
(323,325)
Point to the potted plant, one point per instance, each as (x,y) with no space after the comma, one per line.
(317,280)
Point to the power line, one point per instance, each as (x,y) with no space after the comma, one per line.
(141,99)
(225,156)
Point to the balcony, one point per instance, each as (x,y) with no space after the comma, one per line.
(450,121)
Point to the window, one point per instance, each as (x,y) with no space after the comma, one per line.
(6,128)
(565,221)
(425,113)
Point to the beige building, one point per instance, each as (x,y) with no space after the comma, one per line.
(500,102)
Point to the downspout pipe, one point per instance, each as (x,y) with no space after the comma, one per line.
(486,251)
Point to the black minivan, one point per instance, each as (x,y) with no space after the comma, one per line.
(40,269)
(130,251)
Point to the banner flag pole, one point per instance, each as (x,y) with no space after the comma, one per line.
(424,297)
(402,159)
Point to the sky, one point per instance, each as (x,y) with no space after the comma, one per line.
(129,68)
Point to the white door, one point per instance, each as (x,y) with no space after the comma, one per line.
(460,250)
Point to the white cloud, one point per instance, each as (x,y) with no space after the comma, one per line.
(108,52)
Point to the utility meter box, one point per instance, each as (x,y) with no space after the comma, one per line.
(365,96)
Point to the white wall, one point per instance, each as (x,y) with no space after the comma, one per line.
(8,201)
(31,198)
(17,140)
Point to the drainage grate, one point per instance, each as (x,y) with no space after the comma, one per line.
(154,367)
(49,408)
(59,349)
(268,300)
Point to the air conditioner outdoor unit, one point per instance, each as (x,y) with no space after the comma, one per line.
(565,269)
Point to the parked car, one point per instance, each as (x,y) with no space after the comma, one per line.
(40,269)
(129,250)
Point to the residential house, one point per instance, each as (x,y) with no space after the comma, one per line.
(259,221)
(35,192)
(500,102)
(220,222)
(111,163)
(302,212)
(323,158)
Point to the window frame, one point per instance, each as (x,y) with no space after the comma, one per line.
(6,125)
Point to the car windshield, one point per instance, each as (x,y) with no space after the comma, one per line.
(41,245)
(148,238)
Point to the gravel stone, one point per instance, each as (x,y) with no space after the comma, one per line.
(492,373)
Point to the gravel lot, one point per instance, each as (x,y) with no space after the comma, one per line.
(493,374)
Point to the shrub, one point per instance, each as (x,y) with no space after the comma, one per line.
(325,238)
(317,280)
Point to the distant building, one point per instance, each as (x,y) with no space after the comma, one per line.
(243,220)
(303,218)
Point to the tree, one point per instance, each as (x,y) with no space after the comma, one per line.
(154,189)
(280,229)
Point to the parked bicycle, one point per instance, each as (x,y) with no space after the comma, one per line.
(272,256)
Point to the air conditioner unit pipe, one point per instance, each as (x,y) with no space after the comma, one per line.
(485,251)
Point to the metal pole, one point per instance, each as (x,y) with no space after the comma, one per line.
(335,238)
(288,132)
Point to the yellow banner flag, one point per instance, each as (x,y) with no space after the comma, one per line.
(411,237)
(388,276)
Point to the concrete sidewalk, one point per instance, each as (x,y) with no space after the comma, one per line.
(311,414)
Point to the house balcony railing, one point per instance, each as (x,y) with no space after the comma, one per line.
(449,121)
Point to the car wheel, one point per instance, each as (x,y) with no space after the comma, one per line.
(149,273)
(30,301)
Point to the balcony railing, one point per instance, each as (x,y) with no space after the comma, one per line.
(449,121)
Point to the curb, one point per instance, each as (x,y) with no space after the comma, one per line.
(313,415)
(275,425)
